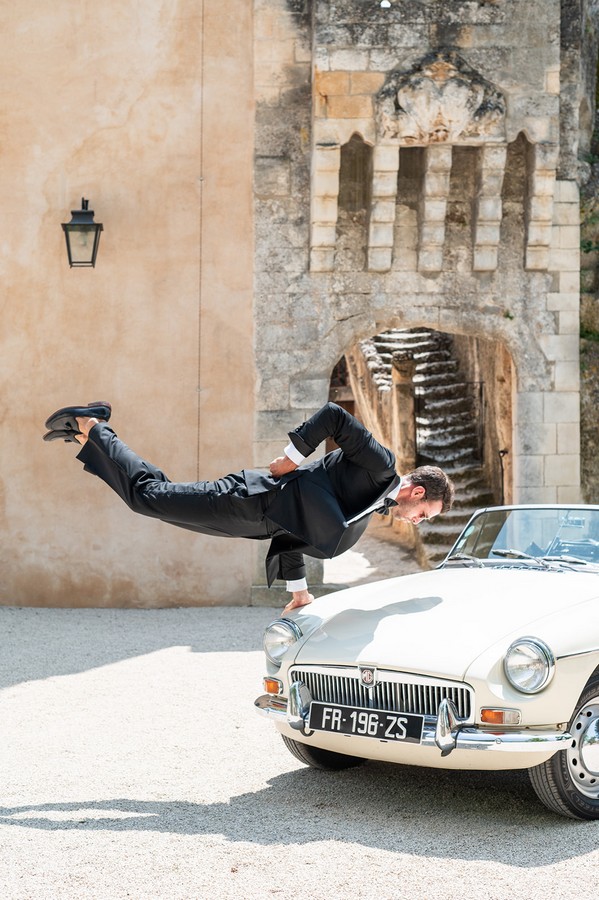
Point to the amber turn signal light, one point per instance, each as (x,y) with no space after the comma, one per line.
(272,686)
(500,716)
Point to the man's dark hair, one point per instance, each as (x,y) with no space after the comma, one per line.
(436,484)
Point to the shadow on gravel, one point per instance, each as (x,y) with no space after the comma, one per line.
(41,643)
(451,815)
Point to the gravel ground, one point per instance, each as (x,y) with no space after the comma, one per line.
(134,766)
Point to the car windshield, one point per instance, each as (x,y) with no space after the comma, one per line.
(559,536)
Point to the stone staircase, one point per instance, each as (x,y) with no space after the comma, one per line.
(447,424)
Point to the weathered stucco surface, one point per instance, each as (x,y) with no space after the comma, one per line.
(145,109)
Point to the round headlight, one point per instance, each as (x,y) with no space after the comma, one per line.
(529,665)
(279,637)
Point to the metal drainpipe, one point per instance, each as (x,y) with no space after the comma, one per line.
(502,453)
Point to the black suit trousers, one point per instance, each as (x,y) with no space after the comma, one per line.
(223,507)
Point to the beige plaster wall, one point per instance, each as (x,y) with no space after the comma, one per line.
(147,110)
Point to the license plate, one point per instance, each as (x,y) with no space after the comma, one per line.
(375,723)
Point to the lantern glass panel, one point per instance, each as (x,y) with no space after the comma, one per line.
(83,242)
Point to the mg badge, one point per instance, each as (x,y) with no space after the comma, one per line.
(367,676)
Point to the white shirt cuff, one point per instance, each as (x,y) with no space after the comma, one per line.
(292,453)
(300,584)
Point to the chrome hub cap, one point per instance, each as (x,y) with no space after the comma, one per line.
(583,753)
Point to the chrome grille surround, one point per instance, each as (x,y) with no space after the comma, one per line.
(394,691)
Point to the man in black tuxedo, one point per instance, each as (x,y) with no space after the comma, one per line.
(319,509)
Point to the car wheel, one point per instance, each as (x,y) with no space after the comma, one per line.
(321,759)
(568,783)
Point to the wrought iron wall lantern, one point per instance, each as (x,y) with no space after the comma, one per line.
(82,236)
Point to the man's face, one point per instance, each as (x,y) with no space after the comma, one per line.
(413,507)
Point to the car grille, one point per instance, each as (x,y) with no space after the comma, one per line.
(394,691)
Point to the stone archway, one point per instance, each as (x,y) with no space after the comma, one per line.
(421,188)
(437,399)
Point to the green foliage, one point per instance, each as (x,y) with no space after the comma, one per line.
(589,334)
(590,218)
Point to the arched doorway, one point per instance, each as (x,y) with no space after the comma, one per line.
(436,399)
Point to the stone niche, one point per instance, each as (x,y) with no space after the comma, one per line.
(441,106)
(441,99)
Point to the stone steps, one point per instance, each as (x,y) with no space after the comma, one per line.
(454,425)
(443,456)
(449,429)
(437,367)
(431,356)
(466,477)
(447,434)
(409,338)
(443,532)
(419,347)
(431,445)
(450,405)
(446,386)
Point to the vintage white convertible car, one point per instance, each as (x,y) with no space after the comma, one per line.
(491,661)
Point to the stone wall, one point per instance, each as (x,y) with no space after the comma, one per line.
(589,283)
(483,242)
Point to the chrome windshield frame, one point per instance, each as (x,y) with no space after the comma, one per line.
(509,508)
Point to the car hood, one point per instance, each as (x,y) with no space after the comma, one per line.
(436,622)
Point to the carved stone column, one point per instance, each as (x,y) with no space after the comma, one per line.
(433,207)
(488,208)
(382,215)
(325,196)
(403,413)
(542,164)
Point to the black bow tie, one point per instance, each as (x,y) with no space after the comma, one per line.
(387,504)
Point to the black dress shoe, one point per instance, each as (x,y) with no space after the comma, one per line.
(67,436)
(65,419)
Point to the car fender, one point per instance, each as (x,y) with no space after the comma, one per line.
(575,661)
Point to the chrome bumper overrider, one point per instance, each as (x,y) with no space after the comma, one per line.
(447,733)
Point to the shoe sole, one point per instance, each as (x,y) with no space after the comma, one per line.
(65,419)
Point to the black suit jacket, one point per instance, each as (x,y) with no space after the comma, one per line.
(314,503)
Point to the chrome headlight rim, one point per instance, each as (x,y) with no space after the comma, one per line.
(544,654)
(294,631)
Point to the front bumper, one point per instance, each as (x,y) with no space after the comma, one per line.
(446,733)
